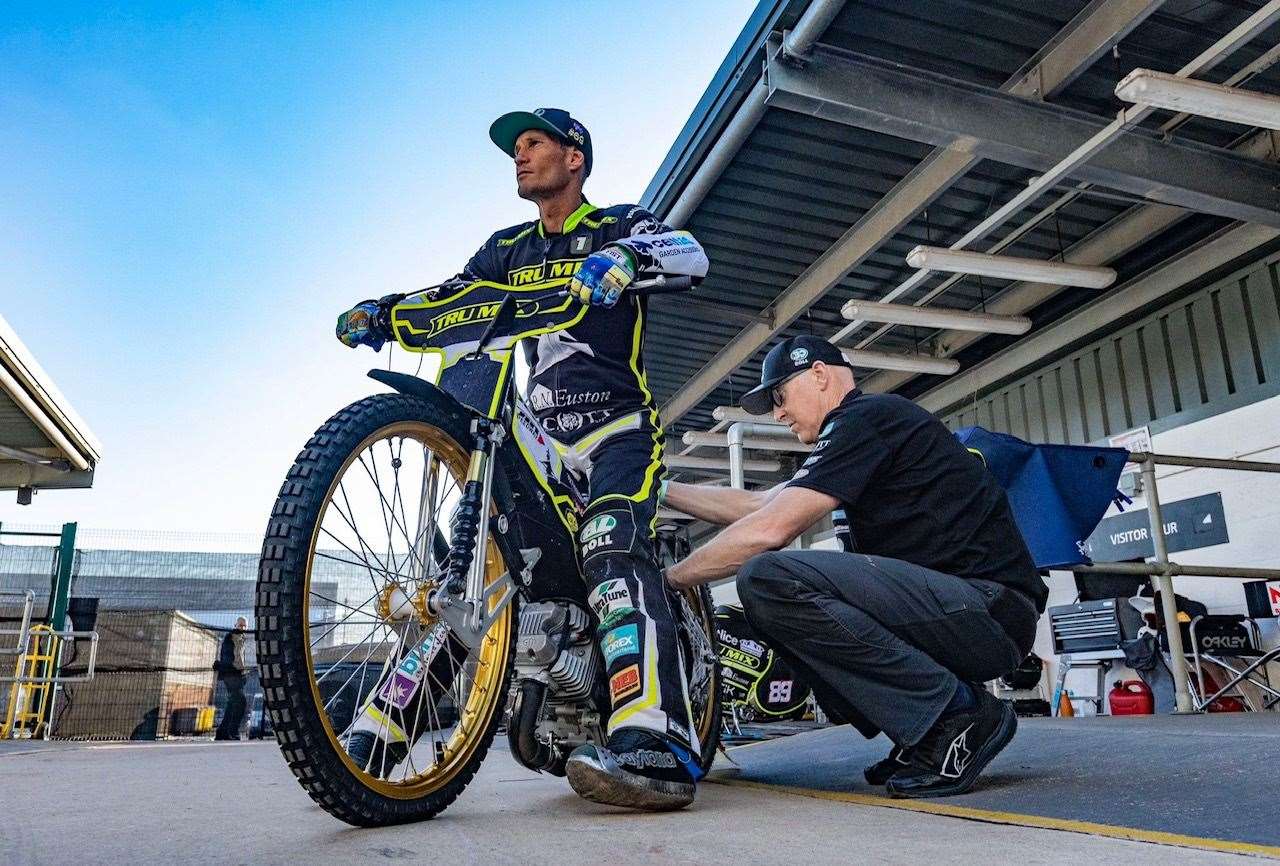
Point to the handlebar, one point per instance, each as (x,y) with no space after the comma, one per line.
(662,285)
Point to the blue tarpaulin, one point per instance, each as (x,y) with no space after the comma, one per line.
(1058,493)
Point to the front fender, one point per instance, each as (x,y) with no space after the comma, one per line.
(416,387)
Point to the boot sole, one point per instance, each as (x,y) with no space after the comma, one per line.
(992,747)
(614,786)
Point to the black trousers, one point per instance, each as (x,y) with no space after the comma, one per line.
(884,642)
(233,716)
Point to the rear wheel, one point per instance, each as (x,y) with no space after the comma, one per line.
(703,670)
(356,542)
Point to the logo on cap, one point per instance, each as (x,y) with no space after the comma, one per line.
(800,355)
(539,111)
(575,132)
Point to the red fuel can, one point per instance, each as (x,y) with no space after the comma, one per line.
(1131,698)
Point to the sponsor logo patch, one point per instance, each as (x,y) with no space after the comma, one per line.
(399,690)
(598,526)
(799,356)
(641,758)
(402,685)
(609,531)
(624,683)
(541,397)
(623,640)
(542,271)
(779,692)
(745,662)
(611,601)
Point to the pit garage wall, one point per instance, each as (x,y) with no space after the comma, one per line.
(1203,374)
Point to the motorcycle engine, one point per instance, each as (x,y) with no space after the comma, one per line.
(557,642)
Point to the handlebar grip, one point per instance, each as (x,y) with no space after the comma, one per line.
(663,285)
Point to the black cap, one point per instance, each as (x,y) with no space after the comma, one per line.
(506,129)
(786,359)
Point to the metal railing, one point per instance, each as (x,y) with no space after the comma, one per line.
(37,672)
(1163,570)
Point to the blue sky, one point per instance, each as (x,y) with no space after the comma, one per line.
(191,192)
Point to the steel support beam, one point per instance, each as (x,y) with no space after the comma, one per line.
(923,106)
(1099,26)
(1065,57)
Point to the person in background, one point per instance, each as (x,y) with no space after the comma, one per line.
(232,666)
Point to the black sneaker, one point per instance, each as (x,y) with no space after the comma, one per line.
(638,770)
(884,770)
(956,749)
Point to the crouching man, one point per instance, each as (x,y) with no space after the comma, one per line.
(935,594)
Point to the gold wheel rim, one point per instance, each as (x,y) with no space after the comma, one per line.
(483,697)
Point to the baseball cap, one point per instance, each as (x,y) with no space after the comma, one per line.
(506,129)
(785,359)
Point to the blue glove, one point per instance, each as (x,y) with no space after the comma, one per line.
(603,276)
(358,326)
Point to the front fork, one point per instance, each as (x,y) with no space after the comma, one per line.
(461,603)
(462,599)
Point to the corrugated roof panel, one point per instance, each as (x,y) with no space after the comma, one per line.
(798,183)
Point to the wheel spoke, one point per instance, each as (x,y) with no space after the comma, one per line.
(350,521)
(346,655)
(354,611)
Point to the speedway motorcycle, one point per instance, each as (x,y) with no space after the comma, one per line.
(419,582)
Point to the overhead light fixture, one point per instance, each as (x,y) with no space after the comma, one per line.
(1009,267)
(717,464)
(933,317)
(734,413)
(903,363)
(780,442)
(1186,95)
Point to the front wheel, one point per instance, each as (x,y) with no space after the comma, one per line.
(382,711)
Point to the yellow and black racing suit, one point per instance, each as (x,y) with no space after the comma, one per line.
(587,386)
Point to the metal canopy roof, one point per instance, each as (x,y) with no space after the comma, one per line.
(908,123)
(43,442)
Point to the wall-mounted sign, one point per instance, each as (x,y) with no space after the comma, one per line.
(1137,439)
(1188,524)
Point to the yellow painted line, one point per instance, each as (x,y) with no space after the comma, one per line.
(1133,834)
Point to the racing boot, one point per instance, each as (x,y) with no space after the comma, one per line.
(637,770)
(952,753)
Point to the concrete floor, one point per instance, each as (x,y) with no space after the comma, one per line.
(216,803)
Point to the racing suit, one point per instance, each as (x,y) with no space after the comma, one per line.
(587,386)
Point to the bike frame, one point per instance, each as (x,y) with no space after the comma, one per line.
(517,491)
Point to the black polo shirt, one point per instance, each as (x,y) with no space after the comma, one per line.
(909,490)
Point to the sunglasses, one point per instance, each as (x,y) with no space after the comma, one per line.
(776,394)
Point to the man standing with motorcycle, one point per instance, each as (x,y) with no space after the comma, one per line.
(589,391)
